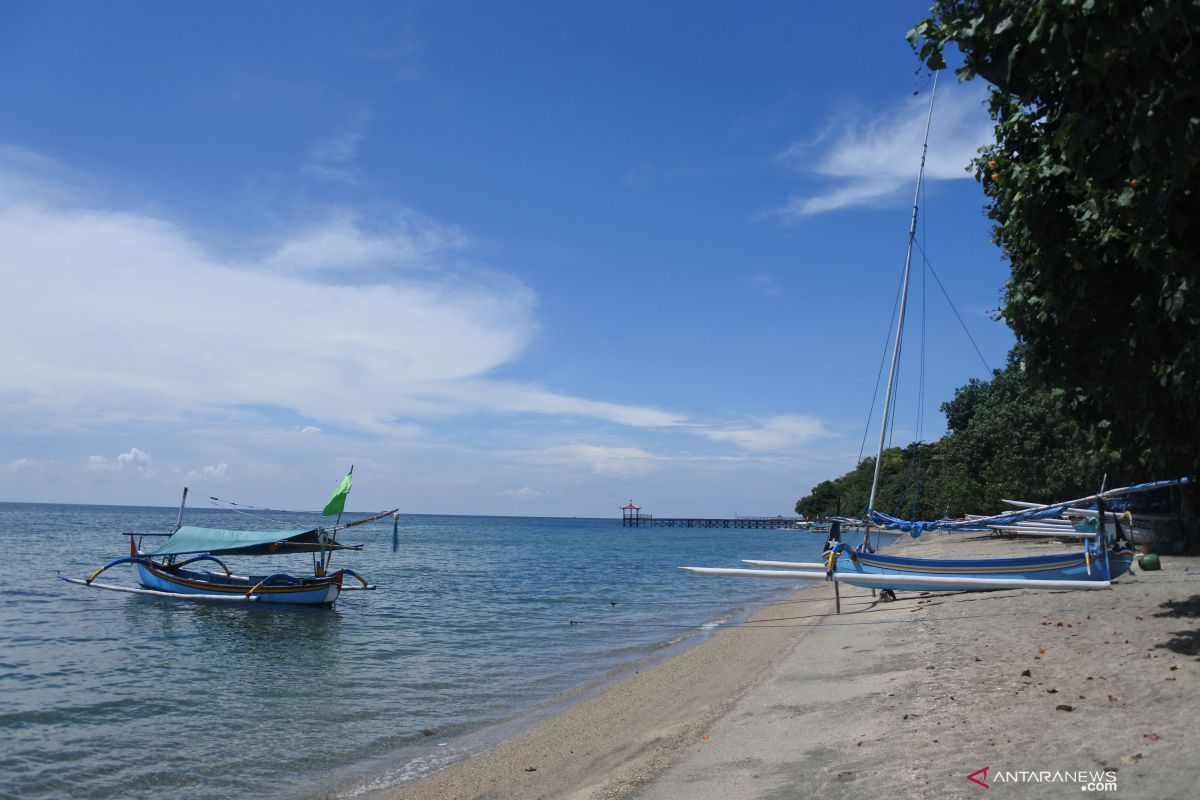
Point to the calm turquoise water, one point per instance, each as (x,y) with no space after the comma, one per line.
(109,695)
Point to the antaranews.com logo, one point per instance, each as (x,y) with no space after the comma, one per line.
(1086,780)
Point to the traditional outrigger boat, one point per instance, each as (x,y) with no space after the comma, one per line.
(1104,556)
(1101,559)
(167,570)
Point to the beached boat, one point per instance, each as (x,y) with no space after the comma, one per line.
(1102,558)
(1106,554)
(173,569)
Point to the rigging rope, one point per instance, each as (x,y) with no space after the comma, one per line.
(887,338)
(953,308)
(216,501)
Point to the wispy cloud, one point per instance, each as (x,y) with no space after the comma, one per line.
(510,396)
(345,244)
(332,158)
(764,283)
(30,176)
(524,493)
(871,159)
(602,460)
(773,434)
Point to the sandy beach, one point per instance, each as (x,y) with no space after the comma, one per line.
(1050,691)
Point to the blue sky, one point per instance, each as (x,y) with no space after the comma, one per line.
(506,258)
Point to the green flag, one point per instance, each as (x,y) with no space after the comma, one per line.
(337,500)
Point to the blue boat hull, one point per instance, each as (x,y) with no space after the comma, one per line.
(1075,566)
(276,589)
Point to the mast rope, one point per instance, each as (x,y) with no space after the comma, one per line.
(887,338)
(237,509)
(953,308)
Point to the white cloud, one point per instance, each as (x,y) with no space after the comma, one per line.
(524,493)
(210,472)
(507,396)
(617,461)
(777,433)
(313,429)
(135,459)
(873,160)
(124,316)
(21,466)
(345,243)
(134,456)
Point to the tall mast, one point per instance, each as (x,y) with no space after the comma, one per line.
(912,233)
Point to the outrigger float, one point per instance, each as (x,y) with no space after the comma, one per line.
(167,571)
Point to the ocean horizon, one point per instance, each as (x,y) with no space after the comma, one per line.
(481,625)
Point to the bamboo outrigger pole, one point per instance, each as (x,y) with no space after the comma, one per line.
(900,581)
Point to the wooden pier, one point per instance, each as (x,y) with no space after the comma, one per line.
(647,520)
(632,517)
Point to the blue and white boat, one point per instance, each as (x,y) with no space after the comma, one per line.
(1076,566)
(175,569)
(1105,555)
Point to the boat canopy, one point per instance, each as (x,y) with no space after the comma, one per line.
(219,541)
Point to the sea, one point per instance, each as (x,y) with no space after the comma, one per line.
(480,627)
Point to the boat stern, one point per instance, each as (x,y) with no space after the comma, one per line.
(1120,562)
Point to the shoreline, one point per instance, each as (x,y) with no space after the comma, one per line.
(613,739)
(901,699)
(390,775)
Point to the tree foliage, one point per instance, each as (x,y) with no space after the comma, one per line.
(901,480)
(1007,438)
(1092,183)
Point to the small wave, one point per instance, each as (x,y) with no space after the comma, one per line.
(409,771)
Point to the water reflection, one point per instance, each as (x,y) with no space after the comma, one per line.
(247,636)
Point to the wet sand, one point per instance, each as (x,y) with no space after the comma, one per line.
(902,699)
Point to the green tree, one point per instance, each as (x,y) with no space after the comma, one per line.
(824,500)
(905,473)
(1009,438)
(1006,438)
(1093,187)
